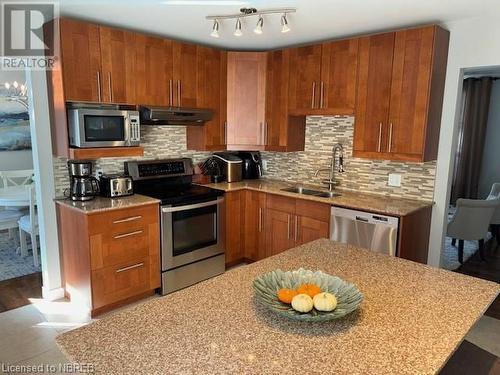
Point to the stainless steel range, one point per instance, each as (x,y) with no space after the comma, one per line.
(192,247)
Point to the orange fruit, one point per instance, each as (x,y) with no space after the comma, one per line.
(286,295)
(310,289)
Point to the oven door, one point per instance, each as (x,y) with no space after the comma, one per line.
(190,233)
(100,128)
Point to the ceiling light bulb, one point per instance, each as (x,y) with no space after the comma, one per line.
(284,24)
(7,85)
(238,32)
(215,29)
(15,84)
(260,24)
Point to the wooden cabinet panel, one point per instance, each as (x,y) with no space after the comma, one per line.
(281,203)
(374,90)
(234,206)
(246,91)
(185,71)
(153,66)
(305,77)
(309,229)
(211,94)
(339,69)
(254,226)
(279,231)
(315,210)
(118,65)
(81,61)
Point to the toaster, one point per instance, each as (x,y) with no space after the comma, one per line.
(115,185)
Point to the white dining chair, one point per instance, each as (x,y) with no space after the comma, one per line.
(28,224)
(16,178)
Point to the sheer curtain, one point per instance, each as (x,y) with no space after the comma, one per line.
(472,132)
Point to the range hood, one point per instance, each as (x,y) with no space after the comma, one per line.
(151,115)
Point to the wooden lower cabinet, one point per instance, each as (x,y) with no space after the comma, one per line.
(255,222)
(309,229)
(279,232)
(233,223)
(109,257)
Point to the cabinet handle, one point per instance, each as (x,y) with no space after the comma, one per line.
(99,86)
(179,90)
(225,132)
(110,86)
(390,138)
(313,100)
(288,226)
(379,147)
(296,227)
(265,133)
(171,92)
(321,94)
(131,218)
(260,219)
(128,234)
(129,267)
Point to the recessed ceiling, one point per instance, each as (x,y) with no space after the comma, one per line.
(314,20)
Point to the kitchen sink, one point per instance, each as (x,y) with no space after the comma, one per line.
(316,193)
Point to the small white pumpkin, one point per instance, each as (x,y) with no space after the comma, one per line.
(302,303)
(325,302)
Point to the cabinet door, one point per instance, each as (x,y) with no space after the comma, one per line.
(338,76)
(153,70)
(81,61)
(246,92)
(279,231)
(374,90)
(118,65)
(411,79)
(212,95)
(234,206)
(309,229)
(185,75)
(255,224)
(305,77)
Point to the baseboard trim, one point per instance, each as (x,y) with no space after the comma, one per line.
(52,294)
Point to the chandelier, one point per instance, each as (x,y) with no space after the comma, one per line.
(17,93)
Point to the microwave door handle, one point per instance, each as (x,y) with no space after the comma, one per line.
(191,206)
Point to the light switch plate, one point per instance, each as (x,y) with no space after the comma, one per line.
(394,180)
(264,165)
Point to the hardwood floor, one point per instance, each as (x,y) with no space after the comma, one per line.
(15,292)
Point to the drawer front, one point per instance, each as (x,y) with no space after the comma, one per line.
(124,220)
(116,283)
(280,203)
(314,210)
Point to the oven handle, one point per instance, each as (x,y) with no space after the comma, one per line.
(192,206)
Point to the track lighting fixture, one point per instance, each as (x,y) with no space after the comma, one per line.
(284,24)
(215,29)
(237,31)
(250,12)
(260,24)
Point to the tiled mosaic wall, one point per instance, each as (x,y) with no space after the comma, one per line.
(321,134)
(360,174)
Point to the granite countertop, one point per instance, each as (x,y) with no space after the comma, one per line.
(100,204)
(349,199)
(411,320)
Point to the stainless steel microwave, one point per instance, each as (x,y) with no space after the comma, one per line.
(91,127)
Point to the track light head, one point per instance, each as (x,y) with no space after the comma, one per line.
(284,24)
(215,29)
(237,31)
(260,24)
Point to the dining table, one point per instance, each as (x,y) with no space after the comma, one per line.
(14,196)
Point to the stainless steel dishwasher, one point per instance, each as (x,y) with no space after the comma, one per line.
(363,229)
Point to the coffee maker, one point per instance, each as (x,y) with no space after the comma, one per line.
(83,186)
(252,164)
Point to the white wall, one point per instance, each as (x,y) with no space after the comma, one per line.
(12,160)
(473,43)
(490,168)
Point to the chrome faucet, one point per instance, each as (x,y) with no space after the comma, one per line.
(331,178)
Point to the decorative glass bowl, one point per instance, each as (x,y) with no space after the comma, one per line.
(266,288)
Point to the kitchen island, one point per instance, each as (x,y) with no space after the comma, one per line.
(412,319)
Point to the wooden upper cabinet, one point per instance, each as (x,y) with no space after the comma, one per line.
(185,74)
(81,61)
(339,69)
(153,70)
(246,91)
(400,94)
(118,65)
(416,93)
(305,79)
(374,91)
(211,94)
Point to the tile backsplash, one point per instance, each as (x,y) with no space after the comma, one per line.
(321,134)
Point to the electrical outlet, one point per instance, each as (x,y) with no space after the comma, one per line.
(264,165)
(394,180)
